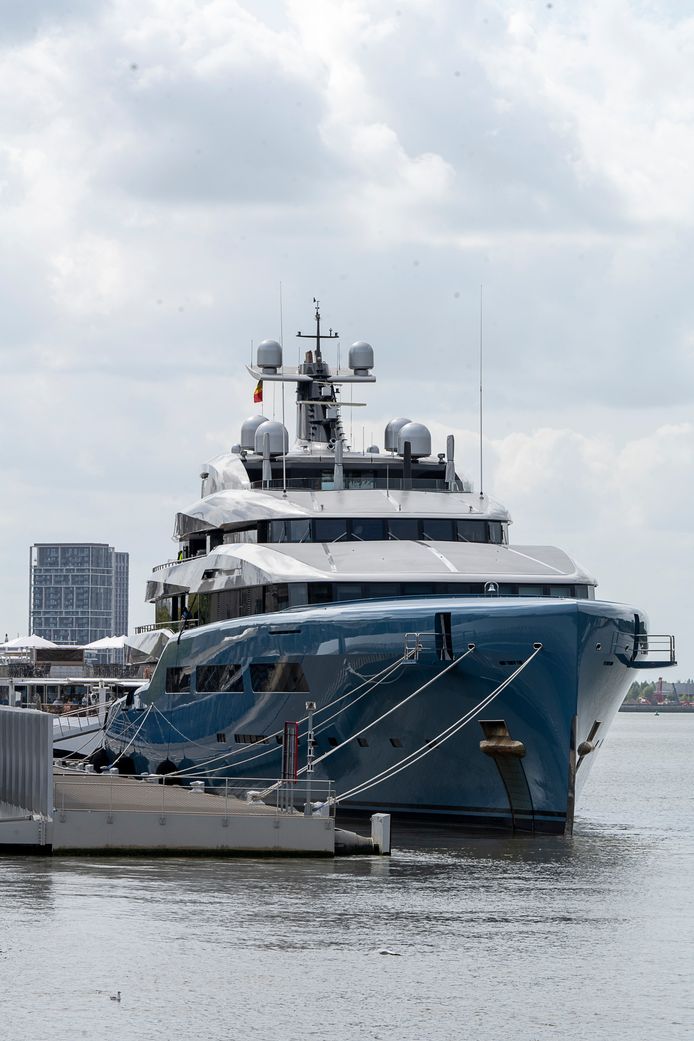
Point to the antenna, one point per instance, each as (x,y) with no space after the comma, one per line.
(481,404)
(284,453)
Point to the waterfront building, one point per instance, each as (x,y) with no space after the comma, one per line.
(78,591)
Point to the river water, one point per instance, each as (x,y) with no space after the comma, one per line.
(525,938)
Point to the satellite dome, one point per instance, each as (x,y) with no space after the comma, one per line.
(361,358)
(248,429)
(391,435)
(419,437)
(269,356)
(277,434)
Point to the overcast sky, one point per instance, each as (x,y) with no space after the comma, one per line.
(165,164)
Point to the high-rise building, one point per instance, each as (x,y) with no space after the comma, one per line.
(78,591)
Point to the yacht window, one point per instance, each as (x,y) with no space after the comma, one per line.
(471,530)
(251,600)
(437,530)
(299,531)
(178,680)
(560,591)
(368,529)
(406,528)
(496,532)
(298,594)
(286,677)
(278,531)
(418,588)
(219,678)
(327,480)
(329,529)
(378,590)
(349,591)
(320,592)
(276,597)
(233,538)
(530,590)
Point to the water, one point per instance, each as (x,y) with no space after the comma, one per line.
(590,937)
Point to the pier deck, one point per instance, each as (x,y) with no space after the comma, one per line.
(53,809)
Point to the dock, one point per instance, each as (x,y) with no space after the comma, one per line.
(47,808)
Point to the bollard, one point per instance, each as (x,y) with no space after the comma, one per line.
(380,833)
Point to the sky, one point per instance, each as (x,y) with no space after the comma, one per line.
(167,165)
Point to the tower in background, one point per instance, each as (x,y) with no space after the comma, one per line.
(78,591)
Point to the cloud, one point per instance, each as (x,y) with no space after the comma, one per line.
(165,164)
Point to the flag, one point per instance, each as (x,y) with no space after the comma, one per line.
(258,393)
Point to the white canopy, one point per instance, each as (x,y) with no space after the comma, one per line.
(106,643)
(21,642)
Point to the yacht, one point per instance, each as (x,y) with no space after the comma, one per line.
(362,616)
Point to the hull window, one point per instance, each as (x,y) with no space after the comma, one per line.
(219,678)
(282,677)
(178,680)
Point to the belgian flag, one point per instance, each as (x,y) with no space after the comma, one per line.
(258,393)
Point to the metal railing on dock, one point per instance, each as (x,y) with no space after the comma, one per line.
(83,790)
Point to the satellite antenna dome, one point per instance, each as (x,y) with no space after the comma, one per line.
(361,358)
(391,435)
(269,356)
(277,436)
(419,437)
(248,429)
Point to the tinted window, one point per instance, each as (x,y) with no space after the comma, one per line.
(219,678)
(472,530)
(376,590)
(251,600)
(178,680)
(349,591)
(438,530)
(327,529)
(320,592)
(496,532)
(299,530)
(404,528)
(277,531)
(276,597)
(298,594)
(284,677)
(368,529)
(417,588)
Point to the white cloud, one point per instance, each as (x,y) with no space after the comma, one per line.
(164,164)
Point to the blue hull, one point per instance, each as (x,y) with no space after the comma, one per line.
(563,701)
